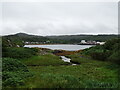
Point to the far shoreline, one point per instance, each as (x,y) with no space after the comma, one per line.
(60,44)
(51,44)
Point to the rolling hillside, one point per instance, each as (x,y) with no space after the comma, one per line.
(21,38)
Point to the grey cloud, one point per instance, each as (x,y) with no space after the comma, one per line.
(60,18)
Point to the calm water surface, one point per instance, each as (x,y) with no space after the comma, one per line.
(68,47)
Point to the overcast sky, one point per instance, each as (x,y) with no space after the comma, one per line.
(60,18)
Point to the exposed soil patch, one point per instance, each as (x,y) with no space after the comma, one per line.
(63,52)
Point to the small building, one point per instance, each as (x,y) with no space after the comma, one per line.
(83,41)
(37,42)
(26,42)
(47,41)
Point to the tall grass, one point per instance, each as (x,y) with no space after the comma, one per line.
(14,73)
(44,60)
(89,74)
(49,80)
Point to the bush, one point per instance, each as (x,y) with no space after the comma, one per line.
(90,50)
(19,53)
(107,52)
(59,81)
(98,56)
(13,81)
(110,43)
(14,72)
(115,57)
(9,64)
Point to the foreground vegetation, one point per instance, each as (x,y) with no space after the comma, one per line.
(107,52)
(18,53)
(40,68)
(14,73)
(89,74)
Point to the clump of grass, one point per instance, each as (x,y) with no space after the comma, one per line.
(90,73)
(86,77)
(98,84)
(80,59)
(44,60)
(14,72)
(49,80)
(19,53)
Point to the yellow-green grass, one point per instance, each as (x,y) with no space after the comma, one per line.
(89,74)
(44,60)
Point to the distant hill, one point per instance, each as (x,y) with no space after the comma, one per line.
(22,34)
(78,38)
(21,38)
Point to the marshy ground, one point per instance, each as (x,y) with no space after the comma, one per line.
(49,71)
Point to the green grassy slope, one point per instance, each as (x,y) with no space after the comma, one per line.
(44,60)
(89,74)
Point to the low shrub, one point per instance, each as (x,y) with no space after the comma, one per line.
(98,84)
(98,56)
(9,64)
(107,52)
(44,60)
(13,81)
(115,57)
(19,53)
(59,81)
(14,72)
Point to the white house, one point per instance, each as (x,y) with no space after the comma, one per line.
(83,41)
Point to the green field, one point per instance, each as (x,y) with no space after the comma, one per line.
(89,74)
(44,60)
